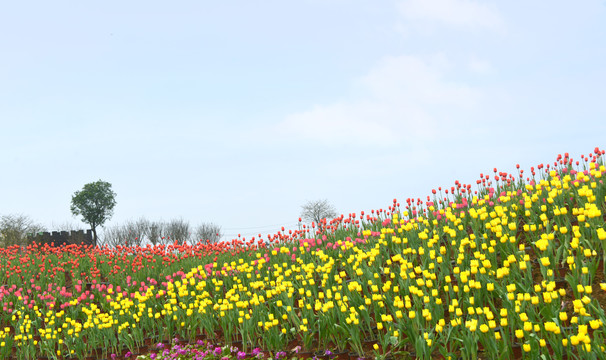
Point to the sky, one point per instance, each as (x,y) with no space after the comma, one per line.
(239,112)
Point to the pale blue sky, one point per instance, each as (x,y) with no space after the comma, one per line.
(238,112)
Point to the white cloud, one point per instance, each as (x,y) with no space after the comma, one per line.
(466,13)
(340,123)
(405,99)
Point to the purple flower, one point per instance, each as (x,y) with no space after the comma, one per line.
(256,351)
(160,346)
(241,355)
(113,356)
(152,356)
(128,354)
(280,354)
(218,350)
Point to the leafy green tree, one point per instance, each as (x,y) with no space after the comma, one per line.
(95,202)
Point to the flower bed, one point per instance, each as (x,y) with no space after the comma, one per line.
(513,269)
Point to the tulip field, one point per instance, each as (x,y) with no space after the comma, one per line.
(509,268)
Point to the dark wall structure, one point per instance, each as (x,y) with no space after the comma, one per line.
(58,238)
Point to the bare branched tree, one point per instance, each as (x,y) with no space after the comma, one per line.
(155,232)
(208,231)
(15,228)
(177,230)
(113,236)
(132,233)
(317,210)
(135,233)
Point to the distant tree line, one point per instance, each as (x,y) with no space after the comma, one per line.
(143,231)
(95,204)
(16,228)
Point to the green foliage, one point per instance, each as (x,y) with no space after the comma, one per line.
(95,202)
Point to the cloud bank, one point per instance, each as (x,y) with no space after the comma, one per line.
(403,100)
